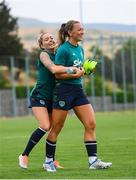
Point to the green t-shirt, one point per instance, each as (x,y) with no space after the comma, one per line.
(45,81)
(69,55)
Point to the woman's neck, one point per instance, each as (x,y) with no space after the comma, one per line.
(73,42)
(49,50)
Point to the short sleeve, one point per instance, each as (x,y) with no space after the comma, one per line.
(61,57)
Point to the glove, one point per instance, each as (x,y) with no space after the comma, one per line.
(89,66)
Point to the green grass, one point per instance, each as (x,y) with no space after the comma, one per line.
(116,136)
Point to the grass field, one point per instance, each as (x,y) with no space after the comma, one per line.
(116,137)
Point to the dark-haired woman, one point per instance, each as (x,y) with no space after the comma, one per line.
(69,94)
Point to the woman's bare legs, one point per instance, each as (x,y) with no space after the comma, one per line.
(41,114)
(86,115)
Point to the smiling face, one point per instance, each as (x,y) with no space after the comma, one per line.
(77,32)
(47,41)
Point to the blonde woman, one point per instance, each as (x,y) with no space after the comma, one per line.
(42,94)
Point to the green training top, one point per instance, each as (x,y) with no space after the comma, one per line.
(69,55)
(45,80)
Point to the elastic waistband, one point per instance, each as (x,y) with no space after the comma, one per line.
(69,85)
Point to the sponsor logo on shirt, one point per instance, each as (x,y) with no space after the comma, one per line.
(77,63)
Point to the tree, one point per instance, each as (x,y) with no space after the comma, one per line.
(101,58)
(9,41)
(34,53)
(126,49)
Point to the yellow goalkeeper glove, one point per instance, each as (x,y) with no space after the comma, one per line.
(89,66)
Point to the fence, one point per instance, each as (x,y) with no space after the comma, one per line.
(111,87)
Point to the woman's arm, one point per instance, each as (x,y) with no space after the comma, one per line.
(79,73)
(55,69)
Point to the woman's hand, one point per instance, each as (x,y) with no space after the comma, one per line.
(79,72)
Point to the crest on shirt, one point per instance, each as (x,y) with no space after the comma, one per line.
(74,54)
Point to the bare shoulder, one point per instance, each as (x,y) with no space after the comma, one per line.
(44,55)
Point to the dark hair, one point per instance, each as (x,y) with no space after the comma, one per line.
(63,32)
